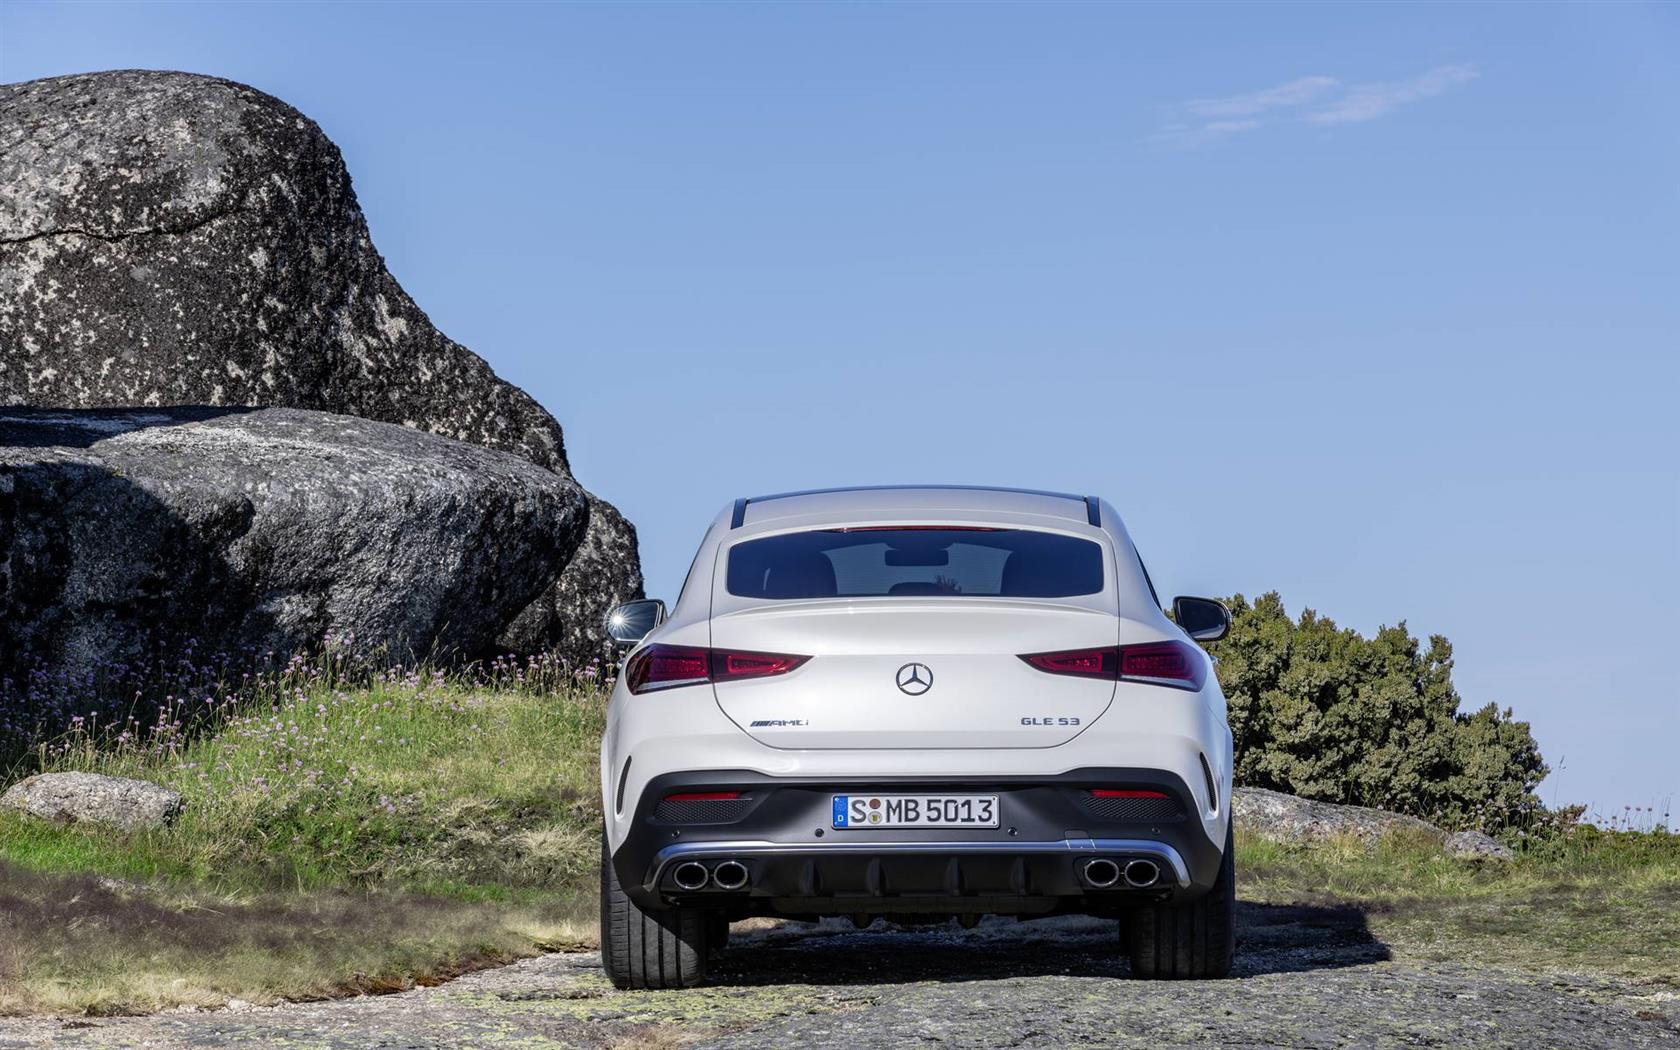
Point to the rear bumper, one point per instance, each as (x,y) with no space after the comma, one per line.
(791,860)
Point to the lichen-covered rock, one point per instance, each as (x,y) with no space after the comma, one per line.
(603,572)
(172,239)
(1473,845)
(71,798)
(126,532)
(168,239)
(1286,818)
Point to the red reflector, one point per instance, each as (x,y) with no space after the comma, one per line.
(667,666)
(1177,664)
(1087,663)
(1126,793)
(704,796)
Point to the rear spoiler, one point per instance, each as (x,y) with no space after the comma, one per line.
(738,516)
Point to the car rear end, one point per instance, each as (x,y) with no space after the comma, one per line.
(918,703)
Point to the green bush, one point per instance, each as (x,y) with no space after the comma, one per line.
(1326,713)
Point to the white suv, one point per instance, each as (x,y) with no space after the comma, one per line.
(917,703)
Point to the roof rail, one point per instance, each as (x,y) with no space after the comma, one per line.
(738,515)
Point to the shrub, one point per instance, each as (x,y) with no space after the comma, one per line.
(1326,713)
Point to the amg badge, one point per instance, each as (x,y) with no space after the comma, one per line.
(779,722)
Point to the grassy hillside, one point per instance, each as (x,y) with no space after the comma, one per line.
(340,839)
(333,839)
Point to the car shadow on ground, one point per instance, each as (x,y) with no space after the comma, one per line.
(1271,938)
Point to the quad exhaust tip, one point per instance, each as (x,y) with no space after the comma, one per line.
(730,875)
(1102,872)
(690,875)
(1141,873)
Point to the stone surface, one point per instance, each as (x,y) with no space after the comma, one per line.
(168,239)
(1473,845)
(118,802)
(124,532)
(603,572)
(1306,978)
(172,239)
(1286,818)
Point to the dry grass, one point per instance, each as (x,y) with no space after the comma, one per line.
(653,1037)
(81,944)
(334,841)
(1603,902)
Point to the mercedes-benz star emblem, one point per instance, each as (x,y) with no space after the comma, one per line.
(915,679)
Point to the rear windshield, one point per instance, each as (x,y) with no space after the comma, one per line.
(882,562)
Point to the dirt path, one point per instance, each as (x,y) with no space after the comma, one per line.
(1308,978)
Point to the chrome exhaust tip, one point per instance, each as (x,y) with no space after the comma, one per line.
(730,875)
(1141,873)
(690,875)
(1102,872)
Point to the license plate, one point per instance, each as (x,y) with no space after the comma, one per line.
(915,811)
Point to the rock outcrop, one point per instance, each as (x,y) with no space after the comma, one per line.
(1278,817)
(171,239)
(567,618)
(1289,818)
(126,532)
(1473,845)
(76,798)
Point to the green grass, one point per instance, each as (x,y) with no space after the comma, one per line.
(362,839)
(332,840)
(1605,902)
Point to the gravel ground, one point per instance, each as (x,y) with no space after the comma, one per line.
(1306,978)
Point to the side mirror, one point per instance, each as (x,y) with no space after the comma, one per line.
(1203,619)
(629,623)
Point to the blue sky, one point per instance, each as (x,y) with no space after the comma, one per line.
(1378,306)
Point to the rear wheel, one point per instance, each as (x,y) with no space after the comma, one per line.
(649,948)
(717,931)
(1196,939)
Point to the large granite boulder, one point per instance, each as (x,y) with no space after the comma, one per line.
(91,798)
(172,239)
(127,532)
(568,618)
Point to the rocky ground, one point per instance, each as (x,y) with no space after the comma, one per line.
(1306,977)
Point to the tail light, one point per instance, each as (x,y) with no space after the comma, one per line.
(1086,663)
(727,666)
(668,666)
(1178,664)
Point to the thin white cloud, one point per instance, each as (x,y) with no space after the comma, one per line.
(1295,93)
(1325,100)
(1370,101)
(1201,134)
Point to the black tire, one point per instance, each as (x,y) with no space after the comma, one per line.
(717,932)
(1191,941)
(653,949)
